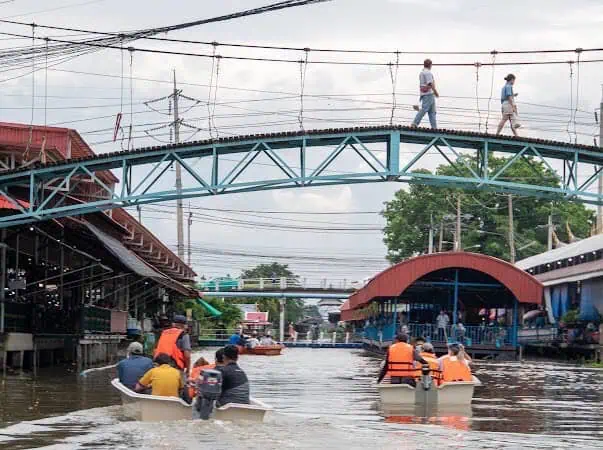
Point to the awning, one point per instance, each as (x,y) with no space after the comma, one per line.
(210,309)
(134,263)
(128,258)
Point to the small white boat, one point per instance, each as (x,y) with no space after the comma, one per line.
(151,408)
(452,393)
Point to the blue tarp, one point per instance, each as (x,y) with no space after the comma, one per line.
(591,299)
(559,301)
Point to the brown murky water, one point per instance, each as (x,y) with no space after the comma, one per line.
(323,399)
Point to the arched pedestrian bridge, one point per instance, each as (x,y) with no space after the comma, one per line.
(295,159)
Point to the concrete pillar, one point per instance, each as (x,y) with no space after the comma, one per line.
(34,360)
(282,321)
(79,357)
(2,281)
(21,359)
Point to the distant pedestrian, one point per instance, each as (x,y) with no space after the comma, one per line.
(442,322)
(509,107)
(428,93)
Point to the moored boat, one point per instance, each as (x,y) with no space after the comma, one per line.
(151,408)
(451,393)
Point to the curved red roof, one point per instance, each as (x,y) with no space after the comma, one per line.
(393,281)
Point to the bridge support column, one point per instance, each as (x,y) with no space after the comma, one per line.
(281,329)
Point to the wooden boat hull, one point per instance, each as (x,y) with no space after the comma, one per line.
(266,350)
(151,408)
(447,394)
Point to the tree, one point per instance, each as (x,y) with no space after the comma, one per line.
(231,315)
(274,270)
(485,223)
(293,307)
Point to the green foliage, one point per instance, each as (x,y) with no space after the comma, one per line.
(312,311)
(275,270)
(571,317)
(231,315)
(294,309)
(485,223)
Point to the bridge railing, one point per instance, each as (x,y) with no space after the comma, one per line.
(468,335)
(338,335)
(280,283)
(224,334)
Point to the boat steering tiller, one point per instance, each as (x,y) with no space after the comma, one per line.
(209,388)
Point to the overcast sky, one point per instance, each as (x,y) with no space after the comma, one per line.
(89,102)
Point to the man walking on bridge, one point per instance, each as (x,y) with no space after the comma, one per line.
(428,93)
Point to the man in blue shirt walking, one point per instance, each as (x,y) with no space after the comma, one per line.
(508,106)
(132,369)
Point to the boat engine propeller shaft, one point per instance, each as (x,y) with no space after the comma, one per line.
(426,379)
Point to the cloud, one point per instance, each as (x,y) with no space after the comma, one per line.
(336,199)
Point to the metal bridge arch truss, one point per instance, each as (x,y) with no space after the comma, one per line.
(297,159)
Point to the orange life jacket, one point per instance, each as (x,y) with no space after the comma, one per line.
(195,374)
(434,366)
(167,344)
(455,370)
(400,359)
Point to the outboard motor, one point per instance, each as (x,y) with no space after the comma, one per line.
(209,388)
(426,379)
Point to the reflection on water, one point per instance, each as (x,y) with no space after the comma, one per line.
(322,399)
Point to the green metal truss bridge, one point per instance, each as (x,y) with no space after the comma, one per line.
(297,159)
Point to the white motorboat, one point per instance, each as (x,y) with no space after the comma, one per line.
(447,394)
(151,408)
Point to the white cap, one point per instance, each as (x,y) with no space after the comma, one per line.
(135,348)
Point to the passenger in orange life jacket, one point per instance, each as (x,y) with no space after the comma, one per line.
(400,362)
(453,366)
(434,364)
(176,343)
(418,343)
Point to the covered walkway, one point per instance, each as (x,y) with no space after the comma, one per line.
(456,296)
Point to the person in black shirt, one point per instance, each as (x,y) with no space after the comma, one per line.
(235,385)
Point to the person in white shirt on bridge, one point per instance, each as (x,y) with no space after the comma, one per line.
(428,93)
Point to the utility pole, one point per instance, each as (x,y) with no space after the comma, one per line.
(549,245)
(441,236)
(179,210)
(600,181)
(430,245)
(457,241)
(190,223)
(511,229)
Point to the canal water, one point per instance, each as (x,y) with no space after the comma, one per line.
(323,399)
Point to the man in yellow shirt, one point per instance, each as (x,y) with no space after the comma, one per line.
(164,380)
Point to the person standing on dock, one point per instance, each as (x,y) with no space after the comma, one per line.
(428,94)
(442,322)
